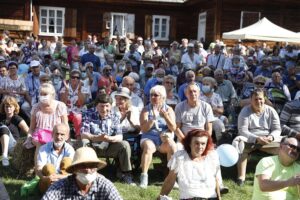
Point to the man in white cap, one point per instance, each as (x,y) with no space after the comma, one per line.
(85,182)
(32,81)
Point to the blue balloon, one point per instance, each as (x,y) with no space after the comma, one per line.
(228,155)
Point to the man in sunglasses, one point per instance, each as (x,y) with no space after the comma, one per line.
(277,177)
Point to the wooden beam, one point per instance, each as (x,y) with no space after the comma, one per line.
(218,18)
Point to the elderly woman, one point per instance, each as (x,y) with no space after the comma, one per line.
(169,83)
(196,168)
(11,124)
(129,115)
(157,124)
(208,95)
(44,115)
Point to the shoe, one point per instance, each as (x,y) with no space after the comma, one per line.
(128,179)
(5,162)
(144,180)
(224,190)
(240,182)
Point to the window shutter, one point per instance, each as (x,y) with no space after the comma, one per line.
(70,23)
(129,24)
(148,26)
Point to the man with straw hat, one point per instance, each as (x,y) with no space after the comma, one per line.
(85,182)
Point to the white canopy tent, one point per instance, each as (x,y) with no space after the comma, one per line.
(263,30)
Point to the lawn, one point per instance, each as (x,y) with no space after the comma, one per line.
(156,177)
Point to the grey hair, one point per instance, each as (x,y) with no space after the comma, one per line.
(159,89)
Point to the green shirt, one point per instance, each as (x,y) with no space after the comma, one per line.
(272,167)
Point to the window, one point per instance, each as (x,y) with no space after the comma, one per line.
(160,27)
(52,21)
(121,24)
(249,18)
(202,26)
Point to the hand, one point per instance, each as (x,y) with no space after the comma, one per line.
(80,84)
(163,113)
(295,180)
(53,178)
(270,138)
(263,140)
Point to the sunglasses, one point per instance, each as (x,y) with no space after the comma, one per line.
(75,77)
(259,83)
(294,147)
(155,95)
(168,82)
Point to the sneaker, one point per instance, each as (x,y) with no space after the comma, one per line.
(144,180)
(5,162)
(128,179)
(224,190)
(240,182)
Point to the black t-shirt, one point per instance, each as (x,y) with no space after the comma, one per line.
(13,125)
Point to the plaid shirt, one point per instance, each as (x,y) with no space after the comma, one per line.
(67,188)
(92,123)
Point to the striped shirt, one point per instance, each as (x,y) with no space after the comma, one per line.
(290,118)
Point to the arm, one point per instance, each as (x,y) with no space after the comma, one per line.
(208,127)
(23,127)
(243,126)
(267,185)
(275,125)
(81,96)
(32,124)
(168,183)
(178,131)
(145,123)
(169,116)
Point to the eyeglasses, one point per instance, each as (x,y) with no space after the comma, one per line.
(75,77)
(108,70)
(259,83)
(293,147)
(168,82)
(154,95)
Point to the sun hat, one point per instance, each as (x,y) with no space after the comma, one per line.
(190,45)
(85,155)
(124,92)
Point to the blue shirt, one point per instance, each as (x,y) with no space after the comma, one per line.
(150,83)
(88,57)
(264,72)
(94,124)
(47,154)
(32,83)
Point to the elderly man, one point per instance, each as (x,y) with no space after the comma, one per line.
(225,89)
(32,81)
(265,69)
(259,125)
(91,57)
(193,113)
(102,128)
(53,156)
(85,182)
(189,77)
(277,177)
(217,59)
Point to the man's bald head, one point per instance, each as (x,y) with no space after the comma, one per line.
(128,82)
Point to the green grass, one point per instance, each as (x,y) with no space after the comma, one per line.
(156,177)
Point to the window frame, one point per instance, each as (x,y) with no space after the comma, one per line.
(112,24)
(48,8)
(242,16)
(159,37)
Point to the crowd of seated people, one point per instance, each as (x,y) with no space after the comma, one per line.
(107,94)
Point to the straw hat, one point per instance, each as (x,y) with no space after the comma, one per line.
(85,155)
